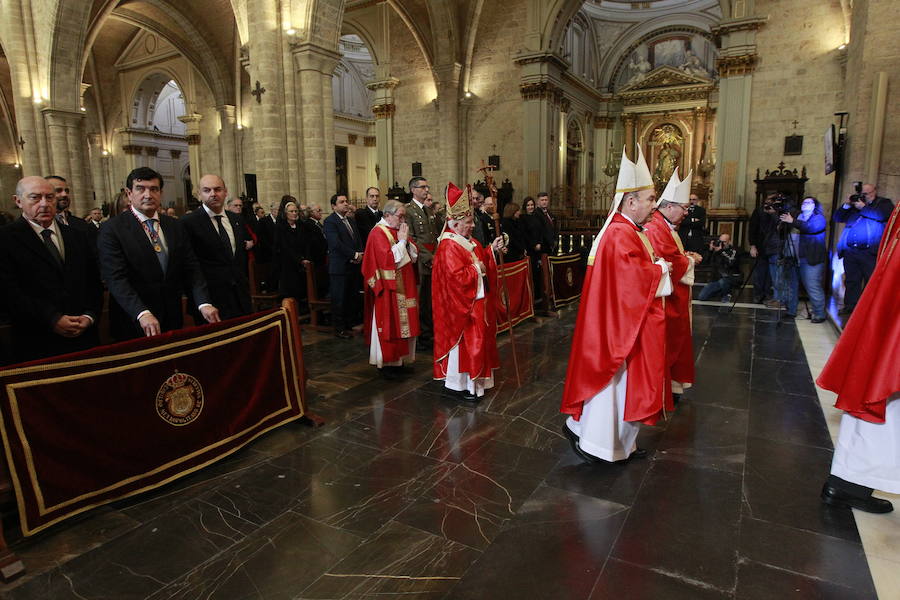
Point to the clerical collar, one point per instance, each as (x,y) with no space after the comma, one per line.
(630,220)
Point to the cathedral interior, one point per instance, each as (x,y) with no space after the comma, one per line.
(316,97)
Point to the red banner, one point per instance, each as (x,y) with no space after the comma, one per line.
(82,430)
(521,296)
(567,277)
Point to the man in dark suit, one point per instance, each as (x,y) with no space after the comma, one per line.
(219,240)
(49,279)
(693,228)
(369,215)
(547,226)
(345,252)
(147,263)
(64,215)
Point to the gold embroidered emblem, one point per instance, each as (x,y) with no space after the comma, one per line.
(570,276)
(179,399)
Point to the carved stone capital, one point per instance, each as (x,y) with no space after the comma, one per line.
(384,111)
(132,149)
(176,154)
(527,58)
(541,90)
(312,57)
(193,139)
(151,150)
(565,105)
(369,141)
(603,122)
(351,138)
(732,66)
(629,119)
(383,84)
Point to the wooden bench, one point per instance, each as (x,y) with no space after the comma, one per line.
(317,304)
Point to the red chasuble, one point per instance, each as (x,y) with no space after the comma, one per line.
(620,320)
(864,367)
(458,317)
(679,344)
(391,293)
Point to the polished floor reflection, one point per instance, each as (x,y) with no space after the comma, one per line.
(407,494)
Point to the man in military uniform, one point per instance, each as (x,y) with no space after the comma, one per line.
(423,231)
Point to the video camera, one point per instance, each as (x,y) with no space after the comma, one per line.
(779,203)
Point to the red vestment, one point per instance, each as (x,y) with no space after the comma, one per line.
(391,294)
(620,320)
(458,317)
(864,367)
(679,343)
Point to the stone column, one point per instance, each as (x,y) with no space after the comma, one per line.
(193,139)
(228,149)
(448,96)
(383,107)
(98,176)
(629,120)
(267,87)
(700,114)
(735,65)
(315,68)
(564,106)
(152,152)
(541,93)
(603,129)
(67,153)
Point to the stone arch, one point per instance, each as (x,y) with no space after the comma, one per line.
(358,28)
(143,102)
(557,22)
(68,54)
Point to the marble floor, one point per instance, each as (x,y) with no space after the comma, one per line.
(406,494)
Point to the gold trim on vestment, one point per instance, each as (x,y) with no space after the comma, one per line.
(634,189)
(28,454)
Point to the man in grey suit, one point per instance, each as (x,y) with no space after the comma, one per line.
(423,230)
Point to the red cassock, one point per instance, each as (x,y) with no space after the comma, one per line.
(679,344)
(864,367)
(391,293)
(620,319)
(458,317)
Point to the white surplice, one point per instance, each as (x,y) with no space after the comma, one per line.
(458,382)
(867,453)
(602,429)
(403,254)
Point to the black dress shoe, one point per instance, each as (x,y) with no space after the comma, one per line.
(387,373)
(676,398)
(817,320)
(467,396)
(573,441)
(343,334)
(839,499)
(638,453)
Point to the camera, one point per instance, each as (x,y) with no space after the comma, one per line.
(858,196)
(780,204)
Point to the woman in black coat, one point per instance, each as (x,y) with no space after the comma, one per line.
(531,231)
(291,249)
(512,227)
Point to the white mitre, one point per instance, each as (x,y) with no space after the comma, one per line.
(633,177)
(668,194)
(683,191)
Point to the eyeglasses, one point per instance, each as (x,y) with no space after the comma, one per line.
(423,187)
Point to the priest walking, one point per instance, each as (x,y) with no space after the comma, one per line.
(616,378)
(863,371)
(391,306)
(662,230)
(464,286)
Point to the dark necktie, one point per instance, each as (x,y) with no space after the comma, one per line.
(51,247)
(223,234)
(161,255)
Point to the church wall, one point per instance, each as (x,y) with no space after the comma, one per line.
(495,116)
(416,129)
(798,77)
(9,176)
(873,48)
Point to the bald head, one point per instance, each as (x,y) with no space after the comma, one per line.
(212,192)
(37,199)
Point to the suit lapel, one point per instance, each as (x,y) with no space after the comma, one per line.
(142,243)
(30,240)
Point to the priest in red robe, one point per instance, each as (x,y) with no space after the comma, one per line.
(391,303)
(464,289)
(864,371)
(662,229)
(616,378)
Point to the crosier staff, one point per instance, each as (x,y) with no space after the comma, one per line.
(489,181)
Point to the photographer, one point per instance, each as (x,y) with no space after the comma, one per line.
(763,223)
(865,214)
(785,258)
(693,227)
(807,238)
(724,258)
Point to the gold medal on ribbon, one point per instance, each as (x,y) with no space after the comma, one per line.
(157,247)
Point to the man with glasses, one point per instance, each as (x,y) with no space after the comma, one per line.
(662,229)
(423,231)
(147,262)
